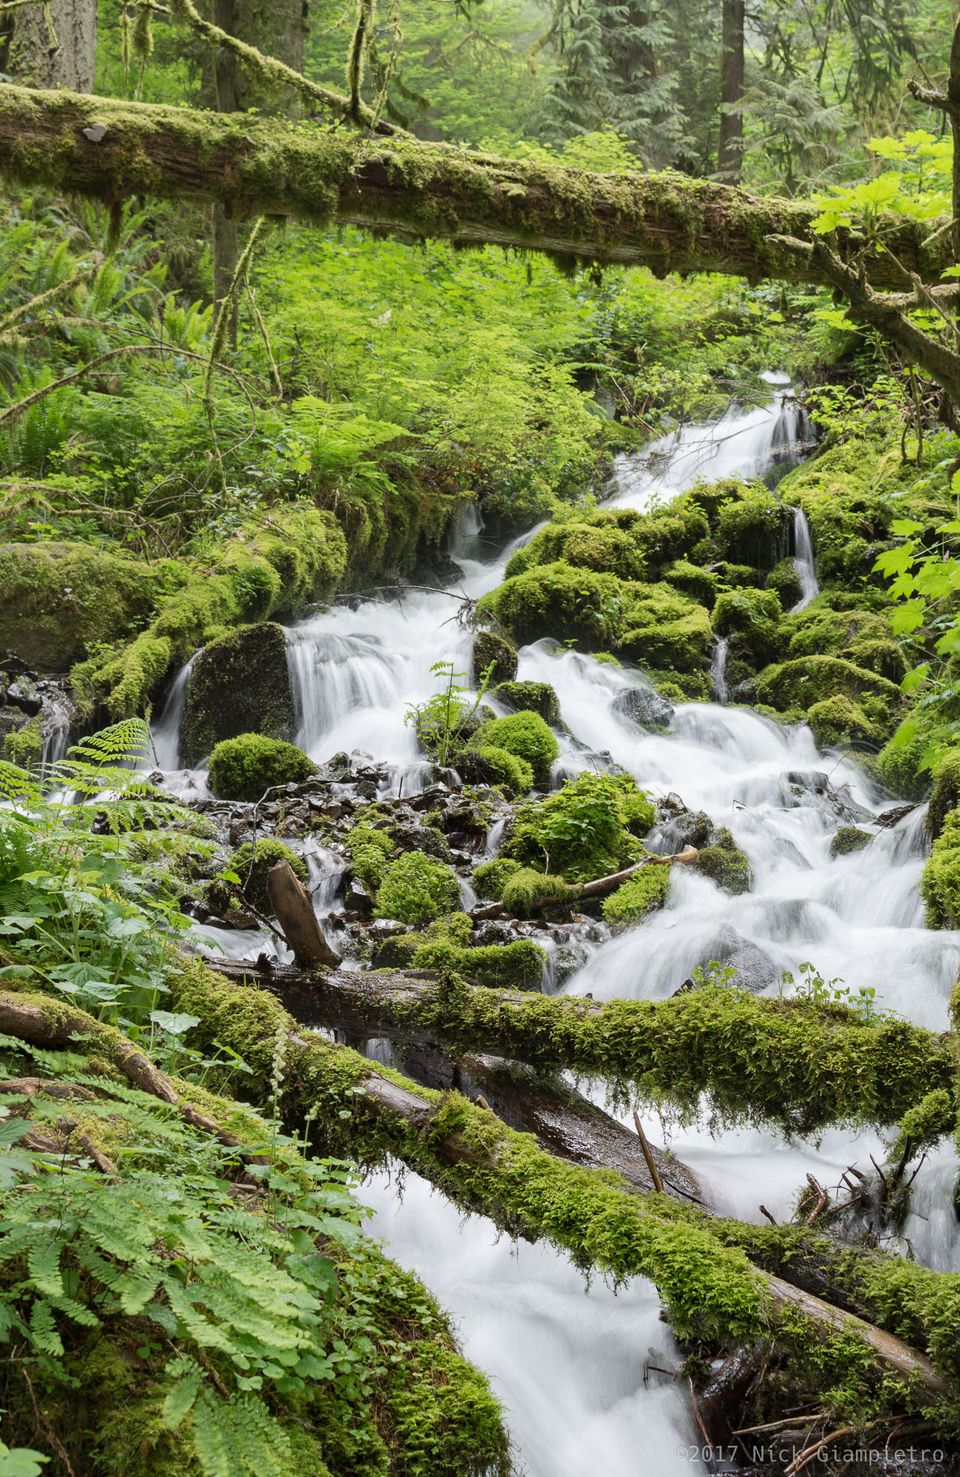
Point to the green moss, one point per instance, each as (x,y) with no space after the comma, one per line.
(530,697)
(940,883)
(753,529)
(417,888)
(589,828)
(245,767)
(848,839)
(836,721)
(663,629)
(945,795)
(491,650)
(557,600)
(524,735)
(725,863)
(489,764)
(692,580)
(490,878)
(750,618)
(604,548)
(524,888)
(238,684)
(24,746)
(784,581)
(56,599)
(252,862)
(805,681)
(637,897)
(518,965)
(900,763)
(369,847)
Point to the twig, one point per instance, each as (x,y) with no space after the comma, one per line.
(648,1155)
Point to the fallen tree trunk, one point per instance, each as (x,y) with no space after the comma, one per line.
(598,887)
(562,1121)
(712,1290)
(293,908)
(115,150)
(788,1062)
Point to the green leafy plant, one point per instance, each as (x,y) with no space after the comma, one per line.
(445,721)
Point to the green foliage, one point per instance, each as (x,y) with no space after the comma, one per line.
(246,767)
(589,828)
(446,720)
(497,767)
(637,897)
(369,847)
(417,888)
(940,884)
(812,986)
(252,861)
(526,887)
(515,966)
(490,878)
(523,735)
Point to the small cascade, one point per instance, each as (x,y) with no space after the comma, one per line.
(165,733)
(718,669)
(792,437)
(803,560)
(463,540)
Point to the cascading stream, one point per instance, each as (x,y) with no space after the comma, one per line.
(567,1363)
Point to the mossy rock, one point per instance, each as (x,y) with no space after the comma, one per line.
(524,735)
(417,889)
(784,581)
(804,681)
(694,581)
(637,897)
(237,684)
(664,629)
(245,767)
(750,618)
(56,599)
(839,720)
(724,863)
(587,545)
(940,883)
(754,529)
(945,796)
(899,763)
(530,697)
(848,839)
(21,738)
(486,764)
(252,862)
(491,877)
(558,600)
(492,650)
(529,886)
(518,965)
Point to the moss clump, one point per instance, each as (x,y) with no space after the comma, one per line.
(518,965)
(753,529)
(602,547)
(940,883)
(557,600)
(804,681)
(784,581)
(724,863)
(252,862)
(369,848)
(490,878)
(530,697)
(524,735)
(900,763)
(526,887)
(945,796)
(238,684)
(692,580)
(58,598)
(848,839)
(839,720)
(24,745)
(663,629)
(589,828)
(417,888)
(495,652)
(245,767)
(637,897)
(491,765)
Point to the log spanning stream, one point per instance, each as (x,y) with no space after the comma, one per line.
(571,1364)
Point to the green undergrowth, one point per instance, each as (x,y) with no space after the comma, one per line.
(589,828)
(245,767)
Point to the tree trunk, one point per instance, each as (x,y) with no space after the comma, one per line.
(294,911)
(419,191)
(732,56)
(774,1061)
(54,45)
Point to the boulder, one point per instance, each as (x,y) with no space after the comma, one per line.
(645,707)
(238,684)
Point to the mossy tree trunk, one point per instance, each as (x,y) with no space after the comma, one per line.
(52,45)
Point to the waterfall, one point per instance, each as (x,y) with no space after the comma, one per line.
(803,560)
(718,669)
(166,731)
(567,1362)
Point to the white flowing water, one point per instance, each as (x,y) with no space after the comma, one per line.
(569,1363)
(803,560)
(718,669)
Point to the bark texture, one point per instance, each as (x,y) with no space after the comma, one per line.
(54,45)
(414,190)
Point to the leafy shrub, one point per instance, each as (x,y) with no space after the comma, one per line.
(416,888)
(587,829)
(524,735)
(252,862)
(524,888)
(369,848)
(244,768)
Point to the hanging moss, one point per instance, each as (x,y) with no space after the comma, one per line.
(490,878)
(634,899)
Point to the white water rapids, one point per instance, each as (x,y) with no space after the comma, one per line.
(569,1364)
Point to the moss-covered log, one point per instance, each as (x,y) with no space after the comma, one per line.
(115,150)
(713,1291)
(795,1063)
